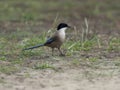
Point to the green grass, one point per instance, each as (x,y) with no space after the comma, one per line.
(93,59)
(114,44)
(8,69)
(29,13)
(76,62)
(11,49)
(37,9)
(43,66)
(79,46)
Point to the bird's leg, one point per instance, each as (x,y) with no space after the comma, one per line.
(61,53)
(52,51)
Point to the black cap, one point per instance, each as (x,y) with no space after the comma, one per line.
(62,25)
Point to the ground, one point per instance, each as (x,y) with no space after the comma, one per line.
(92,46)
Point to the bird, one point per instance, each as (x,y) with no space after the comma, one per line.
(56,40)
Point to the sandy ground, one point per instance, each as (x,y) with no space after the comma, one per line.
(66,78)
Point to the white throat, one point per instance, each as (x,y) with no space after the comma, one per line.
(62,29)
(62,33)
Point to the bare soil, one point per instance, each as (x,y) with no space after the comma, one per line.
(102,74)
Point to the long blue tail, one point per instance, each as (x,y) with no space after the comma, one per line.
(34,47)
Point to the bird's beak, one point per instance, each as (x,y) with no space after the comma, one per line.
(69,27)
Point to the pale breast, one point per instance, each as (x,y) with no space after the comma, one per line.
(61,35)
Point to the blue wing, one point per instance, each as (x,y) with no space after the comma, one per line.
(50,40)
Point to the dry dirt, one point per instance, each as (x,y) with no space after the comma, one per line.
(50,80)
(100,75)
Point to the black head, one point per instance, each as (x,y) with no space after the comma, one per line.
(62,25)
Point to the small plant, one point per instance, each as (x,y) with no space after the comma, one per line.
(43,66)
(114,44)
(3,58)
(80,46)
(93,59)
(27,75)
(27,16)
(85,42)
(76,62)
(85,31)
(8,69)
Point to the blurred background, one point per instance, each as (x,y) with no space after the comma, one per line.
(41,14)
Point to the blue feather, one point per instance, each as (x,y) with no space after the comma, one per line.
(49,40)
(34,47)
